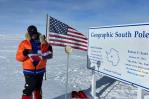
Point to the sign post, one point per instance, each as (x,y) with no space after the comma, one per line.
(93,86)
(140,93)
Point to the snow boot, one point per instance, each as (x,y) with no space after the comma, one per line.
(26,97)
(37,94)
(75,95)
(82,95)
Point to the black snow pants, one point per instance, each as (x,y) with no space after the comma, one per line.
(32,83)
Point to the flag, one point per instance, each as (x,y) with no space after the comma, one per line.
(60,34)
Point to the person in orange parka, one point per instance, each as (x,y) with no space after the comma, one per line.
(33,52)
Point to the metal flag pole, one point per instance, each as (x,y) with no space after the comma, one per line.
(68,50)
(46,38)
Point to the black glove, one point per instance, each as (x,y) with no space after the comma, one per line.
(47,56)
(26,52)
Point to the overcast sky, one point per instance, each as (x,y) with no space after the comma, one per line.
(16,15)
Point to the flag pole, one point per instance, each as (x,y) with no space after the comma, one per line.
(47,39)
(68,50)
(46,25)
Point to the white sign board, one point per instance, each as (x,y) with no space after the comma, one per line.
(121,52)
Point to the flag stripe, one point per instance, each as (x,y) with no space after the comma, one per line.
(63,41)
(76,36)
(71,41)
(66,37)
(75,32)
(69,44)
(83,49)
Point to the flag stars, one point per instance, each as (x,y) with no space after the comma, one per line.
(58,27)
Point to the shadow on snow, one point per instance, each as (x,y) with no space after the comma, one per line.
(106,81)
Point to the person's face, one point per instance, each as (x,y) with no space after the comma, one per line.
(34,36)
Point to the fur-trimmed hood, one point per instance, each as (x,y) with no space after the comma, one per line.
(42,38)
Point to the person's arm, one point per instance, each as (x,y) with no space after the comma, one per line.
(22,53)
(49,54)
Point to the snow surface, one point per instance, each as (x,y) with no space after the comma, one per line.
(12,79)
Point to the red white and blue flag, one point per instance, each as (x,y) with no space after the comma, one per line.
(60,34)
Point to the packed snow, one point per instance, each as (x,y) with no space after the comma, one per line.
(12,79)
